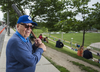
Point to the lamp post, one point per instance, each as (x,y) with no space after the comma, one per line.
(8,26)
(71,42)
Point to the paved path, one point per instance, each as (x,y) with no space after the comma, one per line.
(43,66)
(96,45)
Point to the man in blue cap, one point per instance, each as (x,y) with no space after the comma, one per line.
(21,55)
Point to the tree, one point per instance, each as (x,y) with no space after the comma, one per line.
(45,29)
(79,6)
(94,17)
(7,5)
(47,11)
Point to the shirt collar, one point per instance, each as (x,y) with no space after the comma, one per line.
(22,38)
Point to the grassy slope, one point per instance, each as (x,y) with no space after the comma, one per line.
(78,38)
(71,53)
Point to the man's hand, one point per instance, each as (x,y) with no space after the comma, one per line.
(42,46)
(39,44)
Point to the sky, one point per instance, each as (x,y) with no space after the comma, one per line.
(79,16)
(1,15)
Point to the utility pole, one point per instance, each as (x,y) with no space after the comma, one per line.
(8,22)
(8,27)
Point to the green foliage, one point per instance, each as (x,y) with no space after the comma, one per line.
(48,9)
(81,6)
(42,8)
(94,17)
(53,11)
(45,29)
(71,23)
(7,6)
(68,25)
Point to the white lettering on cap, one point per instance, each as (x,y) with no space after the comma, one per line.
(29,18)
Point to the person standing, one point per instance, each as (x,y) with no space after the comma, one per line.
(21,55)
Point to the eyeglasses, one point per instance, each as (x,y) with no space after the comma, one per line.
(27,26)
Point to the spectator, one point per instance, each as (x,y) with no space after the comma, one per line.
(46,39)
(78,45)
(31,37)
(99,61)
(98,54)
(40,36)
(80,51)
(59,44)
(87,54)
(75,49)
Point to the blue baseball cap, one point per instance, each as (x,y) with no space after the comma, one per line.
(26,19)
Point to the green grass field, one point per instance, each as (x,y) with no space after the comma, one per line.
(78,37)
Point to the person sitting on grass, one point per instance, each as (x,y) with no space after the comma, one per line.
(59,44)
(80,51)
(75,49)
(31,37)
(98,54)
(41,37)
(46,39)
(78,45)
(88,55)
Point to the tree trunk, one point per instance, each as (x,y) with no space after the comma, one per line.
(83,37)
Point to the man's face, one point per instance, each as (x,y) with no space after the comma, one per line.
(24,29)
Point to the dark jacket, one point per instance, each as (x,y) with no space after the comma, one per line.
(87,54)
(59,44)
